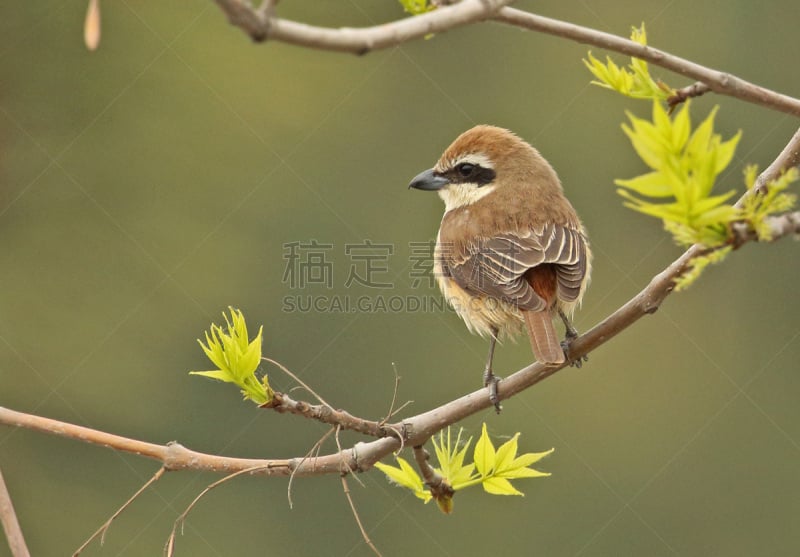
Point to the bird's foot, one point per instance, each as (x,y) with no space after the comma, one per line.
(572,334)
(491,380)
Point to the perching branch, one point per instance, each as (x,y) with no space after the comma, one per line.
(263,24)
(415,430)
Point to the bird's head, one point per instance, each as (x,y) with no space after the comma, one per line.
(483,160)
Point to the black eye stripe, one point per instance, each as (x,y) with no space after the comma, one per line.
(468,173)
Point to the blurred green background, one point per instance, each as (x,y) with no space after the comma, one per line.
(149,185)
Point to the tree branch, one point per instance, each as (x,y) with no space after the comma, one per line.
(8,518)
(282,403)
(261,27)
(719,82)
(440,489)
(696,89)
(175,456)
(416,430)
(789,157)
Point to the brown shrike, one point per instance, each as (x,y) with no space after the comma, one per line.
(511,251)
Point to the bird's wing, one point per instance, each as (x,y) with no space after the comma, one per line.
(496,266)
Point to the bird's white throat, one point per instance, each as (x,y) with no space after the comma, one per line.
(461,195)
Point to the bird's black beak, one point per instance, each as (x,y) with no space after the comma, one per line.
(428,181)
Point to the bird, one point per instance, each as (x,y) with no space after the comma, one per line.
(511,252)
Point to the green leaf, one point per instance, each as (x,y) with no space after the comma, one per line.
(665,211)
(708,211)
(252,354)
(213,349)
(708,203)
(645,142)
(525,460)
(506,454)
(500,486)
(681,126)
(661,120)
(464,477)
(405,476)
(236,357)
(451,460)
(750,175)
(634,81)
(698,264)
(220,374)
(698,142)
(758,207)
(725,152)
(652,184)
(484,454)
(493,469)
(684,165)
(518,467)
(516,473)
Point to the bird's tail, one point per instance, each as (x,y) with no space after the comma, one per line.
(544,338)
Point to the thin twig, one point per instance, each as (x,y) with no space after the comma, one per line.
(107,524)
(267,8)
(400,408)
(346,489)
(390,413)
(8,518)
(169,547)
(285,370)
(364,534)
(696,89)
(314,449)
(283,403)
(346,468)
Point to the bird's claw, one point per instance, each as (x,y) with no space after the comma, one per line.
(490,380)
(565,345)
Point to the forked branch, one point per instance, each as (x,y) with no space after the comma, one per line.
(261,25)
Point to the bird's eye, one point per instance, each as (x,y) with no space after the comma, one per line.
(465,169)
